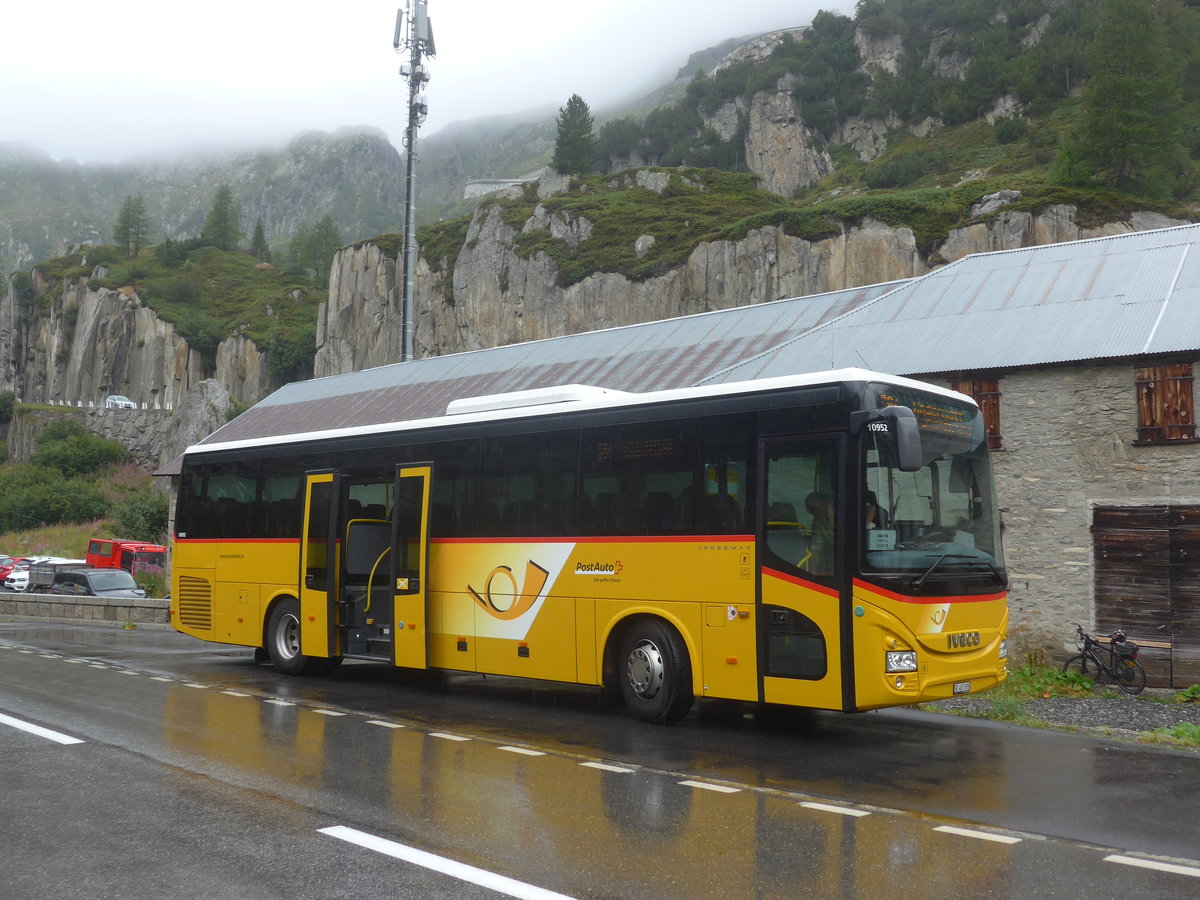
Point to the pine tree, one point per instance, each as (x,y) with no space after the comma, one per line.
(223,226)
(130,228)
(326,240)
(258,243)
(575,145)
(1131,106)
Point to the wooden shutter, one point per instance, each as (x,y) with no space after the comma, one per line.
(1164,403)
(986,392)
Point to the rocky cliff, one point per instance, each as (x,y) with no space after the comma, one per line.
(502,297)
(86,343)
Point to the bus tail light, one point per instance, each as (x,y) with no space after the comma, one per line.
(901,661)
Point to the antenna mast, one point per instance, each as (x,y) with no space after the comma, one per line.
(417,41)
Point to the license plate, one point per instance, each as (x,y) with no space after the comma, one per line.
(962,687)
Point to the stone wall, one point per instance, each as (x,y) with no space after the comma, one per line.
(136,613)
(1068,446)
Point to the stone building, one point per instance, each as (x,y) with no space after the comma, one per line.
(1080,355)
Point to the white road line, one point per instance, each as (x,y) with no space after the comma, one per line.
(235,693)
(328,712)
(709,786)
(280,702)
(525,751)
(829,807)
(192,684)
(56,736)
(160,678)
(981,835)
(607,767)
(499,883)
(448,737)
(1153,864)
(383,724)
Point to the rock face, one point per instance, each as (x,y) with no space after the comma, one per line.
(87,344)
(502,298)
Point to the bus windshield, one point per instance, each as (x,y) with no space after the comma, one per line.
(937,528)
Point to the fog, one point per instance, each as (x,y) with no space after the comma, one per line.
(97,82)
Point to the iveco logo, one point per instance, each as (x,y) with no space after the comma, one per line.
(962,639)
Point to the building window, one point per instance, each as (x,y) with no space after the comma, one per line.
(985,392)
(1164,404)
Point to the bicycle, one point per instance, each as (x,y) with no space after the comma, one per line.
(1122,666)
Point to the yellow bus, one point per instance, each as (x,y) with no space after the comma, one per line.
(829,541)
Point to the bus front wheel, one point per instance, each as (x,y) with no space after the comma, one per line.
(283,639)
(655,672)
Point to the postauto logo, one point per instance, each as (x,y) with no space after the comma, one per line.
(598,568)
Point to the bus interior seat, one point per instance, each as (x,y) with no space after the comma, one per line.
(659,513)
(781,512)
(722,515)
(366,542)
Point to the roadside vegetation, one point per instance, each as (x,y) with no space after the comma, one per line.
(1035,680)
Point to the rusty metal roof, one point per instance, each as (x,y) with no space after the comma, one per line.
(1127,295)
(636,358)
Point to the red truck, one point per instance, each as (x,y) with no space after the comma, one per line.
(132,556)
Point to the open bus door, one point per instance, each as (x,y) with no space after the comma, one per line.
(410,564)
(318,569)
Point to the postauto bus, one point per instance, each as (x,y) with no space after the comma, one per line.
(829,541)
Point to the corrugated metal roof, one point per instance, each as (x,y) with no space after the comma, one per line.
(636,358)
(1118,296)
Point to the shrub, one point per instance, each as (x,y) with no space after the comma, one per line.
(142,515)
(1010,129)
(77,454)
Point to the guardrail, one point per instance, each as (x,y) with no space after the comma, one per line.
(142,612)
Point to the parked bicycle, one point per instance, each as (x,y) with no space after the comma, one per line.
(1121,666)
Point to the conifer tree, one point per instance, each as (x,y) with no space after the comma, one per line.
(223,226)
(1132,102)
(575,144)
(130,228)
(258,243)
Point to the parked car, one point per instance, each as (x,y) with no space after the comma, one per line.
(18,579)
(119,401)
(6,565)
(96,583)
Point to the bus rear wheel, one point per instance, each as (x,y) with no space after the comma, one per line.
(283,639)
(655,673)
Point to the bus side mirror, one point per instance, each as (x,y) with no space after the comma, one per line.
(900,423)
(907,436)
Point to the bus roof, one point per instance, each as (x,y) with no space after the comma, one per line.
(573,398)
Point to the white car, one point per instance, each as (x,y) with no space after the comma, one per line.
(118,401)
(18,578)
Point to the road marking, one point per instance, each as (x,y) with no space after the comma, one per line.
(448,737)
(981,835)
(607,767)
(525,751)
(56,736)
(160,678)
(1153,864)
(328,712)
(829,807)
(709,786)
(192,684)
(97,665)
(383,724)
(235,693)
(499,883)
(280,702)
(129,672)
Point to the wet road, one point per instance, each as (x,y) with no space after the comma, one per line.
(201,773)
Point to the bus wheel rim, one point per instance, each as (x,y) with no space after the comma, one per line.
(287,637)
(645,670)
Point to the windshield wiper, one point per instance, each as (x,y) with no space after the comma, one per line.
(920,579)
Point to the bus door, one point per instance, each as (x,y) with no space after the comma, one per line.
(410,564)
(801,570)
(318,566)
(366,618)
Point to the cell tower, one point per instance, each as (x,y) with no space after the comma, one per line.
(417,41)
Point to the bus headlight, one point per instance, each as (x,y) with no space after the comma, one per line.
(1004,648)
(901,660)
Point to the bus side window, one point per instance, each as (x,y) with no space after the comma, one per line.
(800,505)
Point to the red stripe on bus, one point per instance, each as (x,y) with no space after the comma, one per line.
(618,539)
(908,598)
(236,540)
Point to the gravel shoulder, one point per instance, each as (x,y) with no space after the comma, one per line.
(1122,717)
